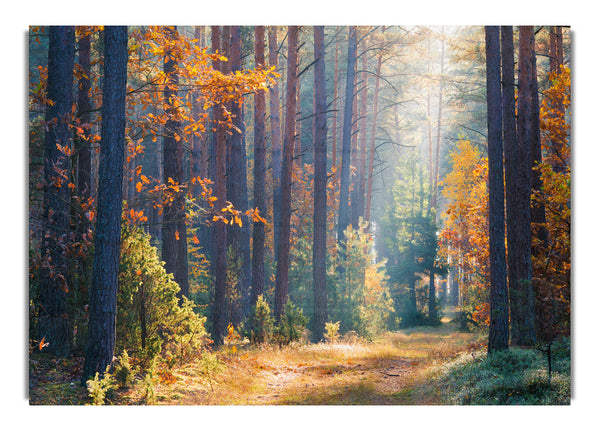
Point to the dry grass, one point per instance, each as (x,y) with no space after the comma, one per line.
(393,369)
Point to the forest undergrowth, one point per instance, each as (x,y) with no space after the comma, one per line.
(418,366)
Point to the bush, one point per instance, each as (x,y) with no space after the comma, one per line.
(149,317)
(123,372)
(261,322)
(98,388)
(332,331)
(291,325)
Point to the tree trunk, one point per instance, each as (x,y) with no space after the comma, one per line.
(275,138)
(258,231)
(518,209)
(283,249)
(238,237)
(498,330)
(174,251)
(369,195)
(103,292)
(343,212)
(53,324)
(320,189)
(219,315)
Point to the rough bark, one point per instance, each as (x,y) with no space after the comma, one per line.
(498,330)
(103,292)
(343,212)
(283,249)
(53,322)
(238,237)
(174,244)
(219,316)
(518,205)
(275,137)
(320,189)
(258,231)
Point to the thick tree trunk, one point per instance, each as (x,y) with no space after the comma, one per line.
(343,212)
(258,231)
(53,323)
(498,330)
(103,292)
(518,209)
(283,249)
(320,189)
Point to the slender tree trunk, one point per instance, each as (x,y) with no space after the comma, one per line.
(258,232)
(239,236)
(320,189)
(283,250)
(369,195)
(174,246)
(362,147)
(53,324)
(498,330)
(103,292)
(335,106)
(518,204)
(219,312)
(275,138)
(343,212)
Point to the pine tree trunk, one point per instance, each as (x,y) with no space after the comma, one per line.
(53,322)
(103,292)
(219,311)
(283,249)
(275,138)
(343,212)
(258,231)
(369,195)
(174,251)
(518,204)
(320,189)
(498,330)
(238,237)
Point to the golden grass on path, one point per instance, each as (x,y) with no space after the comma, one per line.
(393,369)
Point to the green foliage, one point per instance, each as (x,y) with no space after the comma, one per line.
(210,366)
(332,331)
(360,299)
(291,325)
(149,382)
(98,388)
(261,322)
(123,371)
(149,318)
(515,377)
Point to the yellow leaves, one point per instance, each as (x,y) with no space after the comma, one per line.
(177,235)
(138,186)
(195,240)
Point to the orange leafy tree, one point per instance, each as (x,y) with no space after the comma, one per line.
(552,264)
(464,239)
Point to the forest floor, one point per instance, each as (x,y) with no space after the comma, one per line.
(394,369)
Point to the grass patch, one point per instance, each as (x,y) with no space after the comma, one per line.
(516,377)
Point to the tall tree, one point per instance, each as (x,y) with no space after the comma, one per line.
(53,322)
(258,231)
(238,237)
(283,247)
(174,247)
(320,189)
(343,212)
(275,137)
(103,291)
(518,203)
(369,193)
(498,330)
(219,316)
